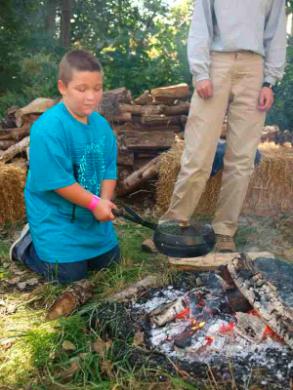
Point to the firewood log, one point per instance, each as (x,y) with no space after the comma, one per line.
(178,109)
(173,91)
(15,149)
(145,98)
(111,100)
(137,109)
(139,177)
(125,158)
(5,144)
(74,296)
(211,261)
(158,120)
(15,134)
(118,118)
(157,140)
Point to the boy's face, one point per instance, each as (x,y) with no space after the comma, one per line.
(83,93)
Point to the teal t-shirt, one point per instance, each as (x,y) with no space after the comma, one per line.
(64,151)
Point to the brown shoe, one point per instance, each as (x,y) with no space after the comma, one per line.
(224,243)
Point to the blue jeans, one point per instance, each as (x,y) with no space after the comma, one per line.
(68,272)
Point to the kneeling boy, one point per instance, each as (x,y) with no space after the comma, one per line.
(71,180)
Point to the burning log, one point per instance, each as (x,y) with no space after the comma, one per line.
(184,339)
(167,312)
(262,295)
(250,327)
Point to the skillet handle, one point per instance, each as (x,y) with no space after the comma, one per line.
(118,212)
(130,215)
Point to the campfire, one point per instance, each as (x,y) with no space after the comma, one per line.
(225,328)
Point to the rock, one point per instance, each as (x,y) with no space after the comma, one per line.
(288,254)
(149,246)
(13,281)
(21,286)
(68,346)
(32,282)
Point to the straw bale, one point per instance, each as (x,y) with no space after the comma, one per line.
(12,180)
(270,191)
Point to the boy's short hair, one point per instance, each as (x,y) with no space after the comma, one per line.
(80,60)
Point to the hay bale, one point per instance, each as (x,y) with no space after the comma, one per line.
(12,181)
(270,191)
(271,187)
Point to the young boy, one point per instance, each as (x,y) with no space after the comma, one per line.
(71,180)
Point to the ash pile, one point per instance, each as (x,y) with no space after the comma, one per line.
(205,324)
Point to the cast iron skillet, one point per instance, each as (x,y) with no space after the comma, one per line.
(174,240)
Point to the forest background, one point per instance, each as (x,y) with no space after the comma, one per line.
(141,44)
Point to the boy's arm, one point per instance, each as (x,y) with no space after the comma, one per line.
(76,194)
(107,189)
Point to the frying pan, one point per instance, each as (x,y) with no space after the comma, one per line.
(172,239)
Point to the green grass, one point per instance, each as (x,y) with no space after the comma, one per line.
(35,357)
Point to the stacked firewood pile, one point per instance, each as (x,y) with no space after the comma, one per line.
(146,126)
(15,129)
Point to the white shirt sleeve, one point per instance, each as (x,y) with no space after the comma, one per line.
(275,42)
(200,39)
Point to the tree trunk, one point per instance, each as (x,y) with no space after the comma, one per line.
(50,22)
(66,13)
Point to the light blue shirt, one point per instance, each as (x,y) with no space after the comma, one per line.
(234,25)
(64,151)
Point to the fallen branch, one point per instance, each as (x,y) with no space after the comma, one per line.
(135,289)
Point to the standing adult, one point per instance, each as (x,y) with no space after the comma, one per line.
(236,53)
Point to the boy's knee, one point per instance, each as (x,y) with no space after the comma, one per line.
(68,272)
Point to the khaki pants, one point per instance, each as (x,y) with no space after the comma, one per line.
(237,78)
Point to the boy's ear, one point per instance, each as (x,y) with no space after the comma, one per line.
(61,87)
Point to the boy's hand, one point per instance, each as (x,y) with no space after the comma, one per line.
(103,210)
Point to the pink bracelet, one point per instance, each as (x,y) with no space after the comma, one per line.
(93,203)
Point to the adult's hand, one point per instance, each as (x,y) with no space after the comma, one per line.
(204,89)
(266,99)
